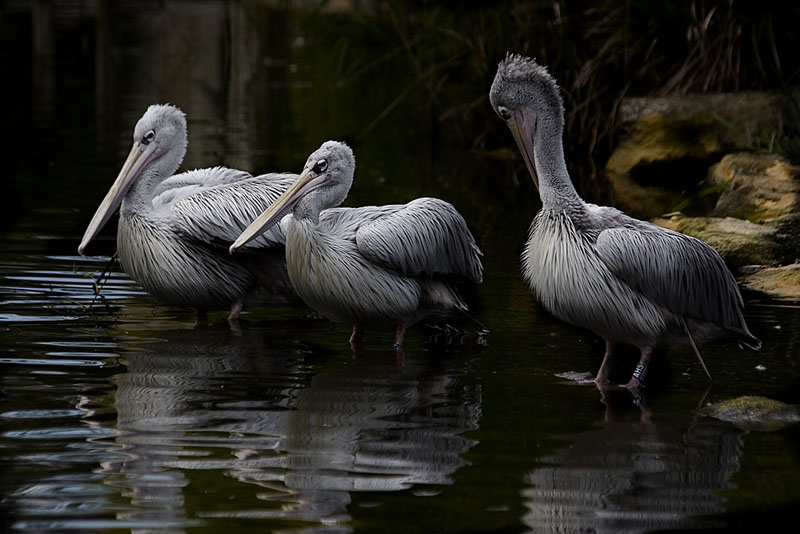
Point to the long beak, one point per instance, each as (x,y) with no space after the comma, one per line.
(139,156)
(304,184)
(523,128)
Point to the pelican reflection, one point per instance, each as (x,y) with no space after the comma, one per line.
(300,440)
(637,472)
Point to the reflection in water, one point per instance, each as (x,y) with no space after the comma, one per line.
(193,402)
(655,473)
(376,427)
(58,288)
(49,358)
(247,407)
(263,426)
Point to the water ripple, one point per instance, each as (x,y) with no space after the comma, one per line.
(70,433)
(41,414)
(53,362)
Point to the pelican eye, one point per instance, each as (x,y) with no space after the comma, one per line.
(149,136)
(504,113)
(320,166)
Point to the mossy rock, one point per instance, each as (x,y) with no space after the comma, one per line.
(667,144)
(754,413)
(757,187)
(739,242)
(778,282)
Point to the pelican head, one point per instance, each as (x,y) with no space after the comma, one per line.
(523,94)
(324,183)
(159,135)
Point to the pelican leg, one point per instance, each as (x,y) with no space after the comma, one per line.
(602,374)
(200,317)
(400,334)
(641,369)
(236,309)
(357,337)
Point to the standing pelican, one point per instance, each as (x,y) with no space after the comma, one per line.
(376,267)
(592,266)
(173,230)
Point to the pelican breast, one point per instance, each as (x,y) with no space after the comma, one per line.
(176,270)
(333,277)
(571,281)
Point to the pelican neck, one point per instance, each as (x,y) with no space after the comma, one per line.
(556,189)
(139,198)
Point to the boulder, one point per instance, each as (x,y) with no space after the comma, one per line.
(695,153)
(756,187)
(667,144)
(739,242)
(781,282)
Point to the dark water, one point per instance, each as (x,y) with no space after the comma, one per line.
(119,414)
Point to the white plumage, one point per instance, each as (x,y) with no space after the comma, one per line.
(174,230)
(374,267)
(592,266)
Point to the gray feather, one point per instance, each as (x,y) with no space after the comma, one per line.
(595,267)
(194,181)
(218,214)
(174,230)
(427,236)
(676,271)
(377,267)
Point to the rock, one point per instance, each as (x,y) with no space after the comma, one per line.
(691,147)
(669,143)
(763,188)
(754,413)
(739,242)
(766,190)
(757,187)
(778,282)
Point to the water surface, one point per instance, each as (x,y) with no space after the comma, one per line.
(120,414)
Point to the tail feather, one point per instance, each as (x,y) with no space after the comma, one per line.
(745,338)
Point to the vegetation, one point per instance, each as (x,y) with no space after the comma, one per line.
(600,52)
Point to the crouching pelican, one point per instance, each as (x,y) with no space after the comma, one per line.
(592,266)
(173,230)
(375,267)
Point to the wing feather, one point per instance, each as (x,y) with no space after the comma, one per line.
(426,236)
(346,221)
(190,182)
(674,270)
(220,213)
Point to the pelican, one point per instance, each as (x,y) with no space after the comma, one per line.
(374,267)
(627,280)
(173,229)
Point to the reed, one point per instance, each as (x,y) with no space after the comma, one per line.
(445,54)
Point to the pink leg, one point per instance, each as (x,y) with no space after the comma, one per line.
(357,337)
(233,316)
(602,374)
(641,369)
(400,334)
(236,309)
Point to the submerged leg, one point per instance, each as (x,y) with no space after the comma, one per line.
(236,309)
(200,317)
(357,337)
(400,334)
(233,316)
(602,374)
(641,369)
